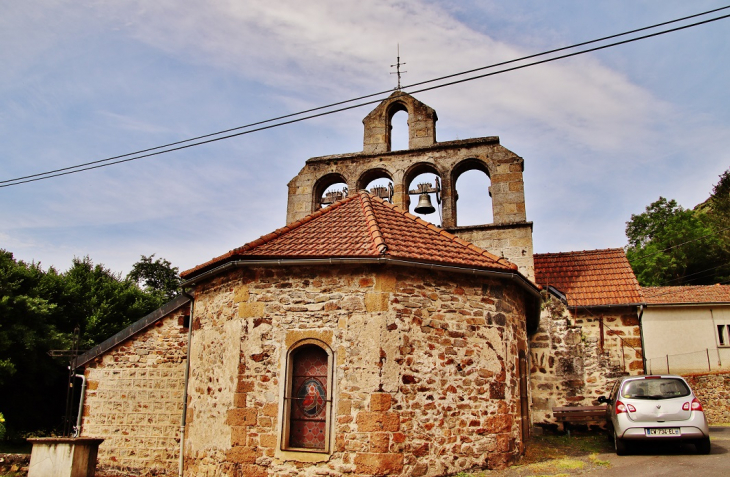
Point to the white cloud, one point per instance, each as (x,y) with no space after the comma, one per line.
(595,142)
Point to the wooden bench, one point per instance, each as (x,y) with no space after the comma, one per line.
(579,414)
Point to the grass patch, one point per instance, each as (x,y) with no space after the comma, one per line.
(557,465)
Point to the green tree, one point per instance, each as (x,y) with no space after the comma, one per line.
(671,245)
(100,302)
(719,214)
(38,312)
(28,329)
(158,277)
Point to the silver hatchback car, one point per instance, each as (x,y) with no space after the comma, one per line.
(655,408)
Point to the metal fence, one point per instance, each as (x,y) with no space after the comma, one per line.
(697,361)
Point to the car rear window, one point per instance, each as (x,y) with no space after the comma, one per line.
(654,388)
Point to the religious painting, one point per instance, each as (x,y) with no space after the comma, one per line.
(308,398)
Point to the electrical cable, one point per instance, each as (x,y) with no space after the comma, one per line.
(681,244)
(113,160)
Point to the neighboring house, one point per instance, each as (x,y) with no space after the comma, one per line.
(589,329)
(358,339)
(686,328)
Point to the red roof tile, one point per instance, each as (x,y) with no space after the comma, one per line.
(362,226)
(589,278)
(686,294)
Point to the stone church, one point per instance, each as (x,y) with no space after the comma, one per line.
(356,340)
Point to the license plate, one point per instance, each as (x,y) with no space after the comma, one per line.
(662,431)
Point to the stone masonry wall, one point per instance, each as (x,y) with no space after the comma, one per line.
(713,391)
(514,242)
(571,365)
(424,377)
(134,400)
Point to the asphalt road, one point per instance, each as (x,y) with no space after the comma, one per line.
(672,460)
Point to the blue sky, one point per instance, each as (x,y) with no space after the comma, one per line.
(602,135)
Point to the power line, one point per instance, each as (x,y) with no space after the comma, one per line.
(182,144)
(682,244)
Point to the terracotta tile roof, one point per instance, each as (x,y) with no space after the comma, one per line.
(589,278)
(687,294)
(362,226)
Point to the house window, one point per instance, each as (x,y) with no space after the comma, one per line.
(723,332)
(307,399)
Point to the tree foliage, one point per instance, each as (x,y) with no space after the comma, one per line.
(159,277)
(670,245)
(39,311)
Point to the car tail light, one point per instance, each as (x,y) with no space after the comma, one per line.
(696,405)
(621,407)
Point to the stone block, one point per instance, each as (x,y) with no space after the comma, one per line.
(376,302)
(499,424)
(344,407)
(242,455)
(238,436)
(267,440)
(250,310)
(378,464)
(250,470)
(636,366)
(241,417)
(241,294)
(244,386)
(239,400)
(380,401)
(270,409)
(377,421)
(385,283)
(379,442)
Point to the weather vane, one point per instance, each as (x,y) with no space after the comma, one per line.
(397,68)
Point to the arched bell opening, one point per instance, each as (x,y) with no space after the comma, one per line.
(398,130)
(377,182)
(328,190)
(424,187)
(472,196)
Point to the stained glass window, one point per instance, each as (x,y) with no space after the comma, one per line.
(308,396)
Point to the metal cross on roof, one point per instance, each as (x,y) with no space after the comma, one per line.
(397,66)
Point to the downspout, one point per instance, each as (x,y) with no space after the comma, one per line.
(181,463)
(77,429)
(641,335)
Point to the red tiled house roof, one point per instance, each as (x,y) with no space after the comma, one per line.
(362,226)
(589,278)
(685,295)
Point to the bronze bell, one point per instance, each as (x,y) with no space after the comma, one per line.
(424,205)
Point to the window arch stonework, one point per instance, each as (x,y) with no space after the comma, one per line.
(307,404)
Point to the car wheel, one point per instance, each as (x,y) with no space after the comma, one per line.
(619,445)
(703,445)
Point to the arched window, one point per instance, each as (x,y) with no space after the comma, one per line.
(378,182)
(474,204)
(430,180)
(399,131)
(307,398)
(329,189)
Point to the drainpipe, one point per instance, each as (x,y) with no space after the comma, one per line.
(77,429)
(641,335)
(181,463)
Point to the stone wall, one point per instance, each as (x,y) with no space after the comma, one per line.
(513,241)
(713,391)
(576,355)
(424,371)
(134,400)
